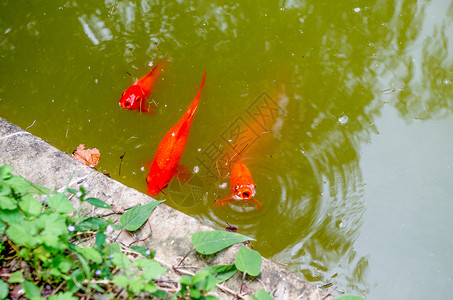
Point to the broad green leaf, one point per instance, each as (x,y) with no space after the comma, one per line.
(150,269)
(31,290)
(121,260)
(136,284)
(149,253)
(100,239)
(350,298)
(5,171)
(30,205)
(150,287)
(209,242)
(248,261)
(5,190)
(120,280)
(262,295)
(75,281)
(7,203)
(16,277)
(90,254)
(4,289)
(204,281)
(222,273)
(22,234)
(98,203)
(11,216)
(60,203)
(54,227)
(19,185)
(85,266)
(91,223)
(195,293)
(136,216)
(63,296)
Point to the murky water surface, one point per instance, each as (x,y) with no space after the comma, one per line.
(344,109)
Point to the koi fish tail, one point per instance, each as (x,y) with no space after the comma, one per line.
(193,107)
(220,203)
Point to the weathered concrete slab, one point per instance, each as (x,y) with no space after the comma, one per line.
(45,165)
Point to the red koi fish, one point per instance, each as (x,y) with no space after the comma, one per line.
(169,152)
(241,185)
(135,96)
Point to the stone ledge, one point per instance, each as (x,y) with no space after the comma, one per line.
(44,165)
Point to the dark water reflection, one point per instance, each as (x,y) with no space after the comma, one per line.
(329,66)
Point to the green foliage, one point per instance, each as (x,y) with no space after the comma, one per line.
(137,216)
(248,261)
(210,242)
(262,295)
(196,287)
(44,231)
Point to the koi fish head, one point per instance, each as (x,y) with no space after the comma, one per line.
(132,97)
(157,181)
(244,191)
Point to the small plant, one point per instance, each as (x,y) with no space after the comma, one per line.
(49,249)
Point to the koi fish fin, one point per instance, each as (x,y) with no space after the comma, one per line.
(220,203)
(147,107)
(183,174)
(193,107)
(147,164)
(157,69)
(256,202)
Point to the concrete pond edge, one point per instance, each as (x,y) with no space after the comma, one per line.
(169,230)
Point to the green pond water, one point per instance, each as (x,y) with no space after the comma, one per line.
(345,108)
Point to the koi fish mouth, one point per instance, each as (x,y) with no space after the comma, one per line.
(244,192)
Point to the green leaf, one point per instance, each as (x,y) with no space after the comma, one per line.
(136,216)
(222,273)
(150,269)
(8,203)
(85,266)
(19,185)
(60,203)
(16,277)
(149,253)
(91,223)
(209,242)
(100,239)
(4,289)
(90,254)
(350,298)
(5,190)
(248,261)
(31,290)
(22,234)
(63,296)
(195,294)
(204,281)
(98,203)
(76,280)
(262,295)
(121,260)
(120,280)
(54,226)
(11,216)
(30,205)
(5,171)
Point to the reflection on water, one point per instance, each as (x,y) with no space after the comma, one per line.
(297,84)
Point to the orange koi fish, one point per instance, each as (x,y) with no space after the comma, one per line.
(169,152)
(135,96)
(241,185)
